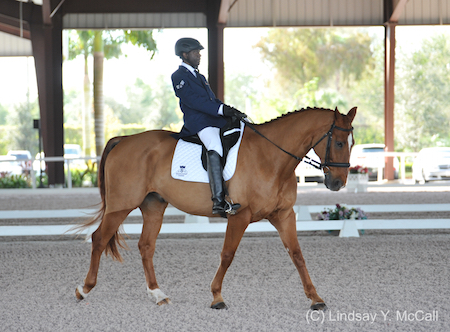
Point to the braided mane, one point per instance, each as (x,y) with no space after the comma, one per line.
(298,111)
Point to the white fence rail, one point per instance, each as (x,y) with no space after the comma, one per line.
(67,162)
(198,224)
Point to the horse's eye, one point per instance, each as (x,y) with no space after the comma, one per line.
(339,144)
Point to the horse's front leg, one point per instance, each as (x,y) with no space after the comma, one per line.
(152,212)
(235,230)
(286,227)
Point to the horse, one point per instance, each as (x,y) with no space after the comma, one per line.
(135,172)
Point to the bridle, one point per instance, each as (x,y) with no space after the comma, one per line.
(310,161)
(327,162)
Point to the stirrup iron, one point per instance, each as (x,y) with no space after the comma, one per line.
(231,208)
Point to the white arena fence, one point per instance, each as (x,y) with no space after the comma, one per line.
(67,162)
(199,224)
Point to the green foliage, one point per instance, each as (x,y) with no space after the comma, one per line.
(104,44)
(140,97)
(153,108)
(44,181)
(333,55)
(14,181)
(3,115)
(81,175)
(72,134)
(130,129)
(22,135)
(142,38)
(328,68)
(4,142)
(165,105)
(422,108)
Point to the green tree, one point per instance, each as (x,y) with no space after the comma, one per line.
(154,108)
(241,93)
(22,135)
(328,68)
(335,56)
(140,98)
(3,115)
(166,105)
(103,44)
(423,91)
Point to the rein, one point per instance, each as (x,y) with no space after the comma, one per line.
(310,161)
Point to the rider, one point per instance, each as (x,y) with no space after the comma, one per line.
(203,114)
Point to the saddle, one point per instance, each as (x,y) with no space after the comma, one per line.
(229,135)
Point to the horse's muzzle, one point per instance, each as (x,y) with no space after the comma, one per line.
(334,184)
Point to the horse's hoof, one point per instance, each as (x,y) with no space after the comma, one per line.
(219,305)
(165,301)
(319,306)
(80,295)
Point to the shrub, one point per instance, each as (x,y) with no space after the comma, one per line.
(13,181)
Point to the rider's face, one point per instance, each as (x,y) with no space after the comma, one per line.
(192,58)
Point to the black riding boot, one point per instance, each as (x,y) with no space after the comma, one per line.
(215,174)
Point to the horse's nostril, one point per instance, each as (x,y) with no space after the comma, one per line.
(337,184)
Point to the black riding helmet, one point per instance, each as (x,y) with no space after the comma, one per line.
(185,45)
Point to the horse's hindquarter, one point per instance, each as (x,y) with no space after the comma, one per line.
(135,166)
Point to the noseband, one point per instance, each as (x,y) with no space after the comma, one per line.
(310,161)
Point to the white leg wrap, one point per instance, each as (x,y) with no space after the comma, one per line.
(156,294)
(80,290)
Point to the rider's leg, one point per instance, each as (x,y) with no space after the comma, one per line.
(210,137)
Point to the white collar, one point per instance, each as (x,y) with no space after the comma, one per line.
(191,69)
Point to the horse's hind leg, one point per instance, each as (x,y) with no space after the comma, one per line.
(288,233)
(152,211)
(100,239)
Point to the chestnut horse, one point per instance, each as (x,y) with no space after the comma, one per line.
(134,172)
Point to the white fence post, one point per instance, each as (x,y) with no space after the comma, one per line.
(69,175)
(190,219)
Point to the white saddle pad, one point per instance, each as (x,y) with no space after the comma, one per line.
(187,160)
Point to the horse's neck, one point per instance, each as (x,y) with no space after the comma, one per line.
(296,133)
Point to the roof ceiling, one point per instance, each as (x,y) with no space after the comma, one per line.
(138,14)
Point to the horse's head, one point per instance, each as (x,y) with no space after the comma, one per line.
(334,150)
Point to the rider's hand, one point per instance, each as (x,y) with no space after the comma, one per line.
(231,111)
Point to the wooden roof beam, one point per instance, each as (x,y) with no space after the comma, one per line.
(13,27)
(223,12)
(398,10)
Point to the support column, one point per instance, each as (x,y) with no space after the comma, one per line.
(389,97)
(47,50)
(215,49)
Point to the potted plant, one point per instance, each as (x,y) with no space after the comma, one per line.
(358,179)
(341,212)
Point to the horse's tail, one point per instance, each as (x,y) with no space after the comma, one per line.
(117,238)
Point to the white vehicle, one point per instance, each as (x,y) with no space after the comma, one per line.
(9,166)
(432,164)
(368,155)
(24,156)
(71,151)
(310,173)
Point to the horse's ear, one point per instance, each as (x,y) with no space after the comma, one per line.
(336,113)
(351,114)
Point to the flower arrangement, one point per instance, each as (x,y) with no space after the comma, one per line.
(358,170)
(341,212)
